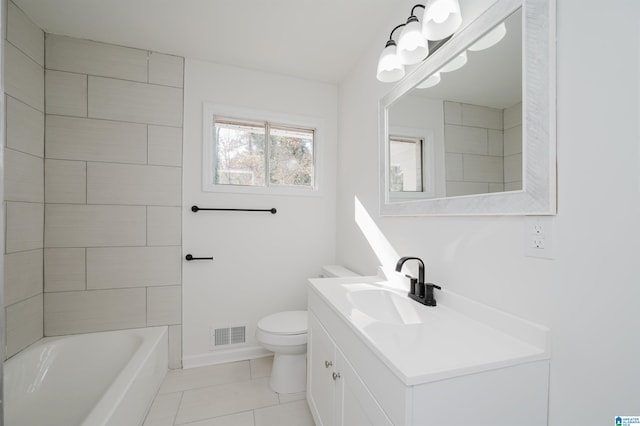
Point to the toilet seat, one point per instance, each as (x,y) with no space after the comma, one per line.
(289,323)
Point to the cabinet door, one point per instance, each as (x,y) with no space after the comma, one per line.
(354,403)
(320,366)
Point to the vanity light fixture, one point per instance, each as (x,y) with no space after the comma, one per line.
(489,39)
(440,20)
(455,63)
(390,68)
(430,81)
(413,47)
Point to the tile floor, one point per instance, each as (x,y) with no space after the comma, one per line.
(234,394)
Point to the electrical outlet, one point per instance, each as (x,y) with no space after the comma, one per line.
(537,243)
(538,237)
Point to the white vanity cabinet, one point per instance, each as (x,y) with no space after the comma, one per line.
(336,394)
(440,367)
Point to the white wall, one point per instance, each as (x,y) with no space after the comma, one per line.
(261,261)
(596,287)
(589,294)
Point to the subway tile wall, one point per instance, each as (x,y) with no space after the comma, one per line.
(473,149)
(483,148)
(24,181)
(113,189)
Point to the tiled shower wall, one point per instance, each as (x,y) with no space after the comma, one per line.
(24,181)
(111,181)
(483,148)
(113,178)
(473,149)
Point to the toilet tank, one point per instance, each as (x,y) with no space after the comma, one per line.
(330,271)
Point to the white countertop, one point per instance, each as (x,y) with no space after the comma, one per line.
(422,344)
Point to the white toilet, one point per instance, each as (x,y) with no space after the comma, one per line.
(285,334)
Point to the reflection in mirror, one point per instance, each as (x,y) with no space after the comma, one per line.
(405,174)
(488,125)
(459,131)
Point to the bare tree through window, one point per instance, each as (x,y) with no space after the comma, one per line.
(243,156)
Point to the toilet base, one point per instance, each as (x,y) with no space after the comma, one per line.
(289,373)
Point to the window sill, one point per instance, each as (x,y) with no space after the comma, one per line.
(261,190)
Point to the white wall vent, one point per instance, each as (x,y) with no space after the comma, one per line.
(225,336)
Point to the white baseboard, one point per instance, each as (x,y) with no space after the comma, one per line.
(224,356)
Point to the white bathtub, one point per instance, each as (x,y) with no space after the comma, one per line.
(96,379)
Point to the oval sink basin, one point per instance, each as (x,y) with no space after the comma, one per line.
(385,306)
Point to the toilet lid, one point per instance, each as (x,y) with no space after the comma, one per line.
(290,322)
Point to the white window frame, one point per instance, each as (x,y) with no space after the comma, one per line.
(212,110)
(428,162)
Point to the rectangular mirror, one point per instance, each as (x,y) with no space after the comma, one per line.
(472,129)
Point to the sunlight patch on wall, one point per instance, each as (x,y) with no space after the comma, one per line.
(384,251)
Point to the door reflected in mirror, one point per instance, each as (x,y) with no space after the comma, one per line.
(463,135)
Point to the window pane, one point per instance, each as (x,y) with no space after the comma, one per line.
(291,156)
(240,153)
(405,160)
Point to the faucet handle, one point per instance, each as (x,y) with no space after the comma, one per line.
(429,299)
(412,284)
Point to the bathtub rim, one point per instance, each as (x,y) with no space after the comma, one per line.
(154,343)
(113,398)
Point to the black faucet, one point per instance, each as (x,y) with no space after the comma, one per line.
(419,290)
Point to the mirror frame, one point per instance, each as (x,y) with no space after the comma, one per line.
(538,196)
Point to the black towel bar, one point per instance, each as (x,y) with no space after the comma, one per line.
(196,209)
(189,257)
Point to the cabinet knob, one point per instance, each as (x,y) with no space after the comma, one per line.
(328,364)
(335,375)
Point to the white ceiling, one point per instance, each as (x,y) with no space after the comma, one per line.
(312,39)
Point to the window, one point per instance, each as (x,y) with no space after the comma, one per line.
(290,156)
(412,166)
(405,164)
(239,153)
(267,155)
